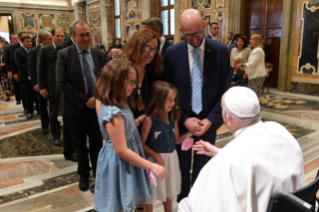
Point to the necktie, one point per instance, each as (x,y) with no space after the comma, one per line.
(87,74)
(197,83)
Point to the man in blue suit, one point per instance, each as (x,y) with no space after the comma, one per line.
(199,68)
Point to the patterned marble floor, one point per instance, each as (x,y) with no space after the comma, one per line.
(35,177)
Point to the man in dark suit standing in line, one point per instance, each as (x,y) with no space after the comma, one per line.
(67,134)
(199,68)
(156,25)
(21,60)
(45,38)
(78,68)
(13,72)
(47,86)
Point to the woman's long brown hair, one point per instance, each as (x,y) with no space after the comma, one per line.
(134,50)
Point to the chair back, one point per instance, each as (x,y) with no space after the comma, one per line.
(308,192)
(302,199)
(285,201)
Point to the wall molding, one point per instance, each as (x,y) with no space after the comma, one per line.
(8,5)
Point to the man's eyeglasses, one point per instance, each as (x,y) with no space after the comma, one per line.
(148,49)
(196,34)
(133,82)
(85,35)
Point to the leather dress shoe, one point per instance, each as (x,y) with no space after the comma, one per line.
(18,102)
(92,188)
(25,111)
(29,116)
(45,130)
(71,157)
(84,183)
(57,142)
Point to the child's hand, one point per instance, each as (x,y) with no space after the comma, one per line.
(160,172)
(188,135)
(160,161)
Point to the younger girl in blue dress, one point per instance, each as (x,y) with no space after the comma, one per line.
(121,179)
(160,135)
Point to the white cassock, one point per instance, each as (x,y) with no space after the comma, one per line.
(263,159)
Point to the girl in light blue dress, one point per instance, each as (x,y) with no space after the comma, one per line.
(121,179)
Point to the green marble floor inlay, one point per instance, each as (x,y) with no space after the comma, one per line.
(296,131)
(280,104)
(32,143)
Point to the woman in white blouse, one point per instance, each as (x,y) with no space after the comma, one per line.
(239,55)
(255,66)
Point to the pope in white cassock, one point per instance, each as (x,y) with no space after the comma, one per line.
(262,159)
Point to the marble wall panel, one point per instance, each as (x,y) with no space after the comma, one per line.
(309,34)
(304,73)
(110,22)
(64,21)
(95,16)
(154,11)
(28,21)
(131,14)
(201,4)
(208,19)
(97,35)
(82,12)
(220,3)
(220,19)
(211,10)
(132,10)
(130,30)
(46,21)
(43,20)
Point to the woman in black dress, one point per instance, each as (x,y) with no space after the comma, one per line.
(142,50)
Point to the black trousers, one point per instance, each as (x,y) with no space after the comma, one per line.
(68,147)
(16,89)
(28,94)
(185,162)
(86,125)
(53,117)
(22,94)
(44,115)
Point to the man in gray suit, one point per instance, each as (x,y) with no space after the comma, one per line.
(77,70)
(47,85)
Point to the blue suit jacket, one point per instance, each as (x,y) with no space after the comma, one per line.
(215,81)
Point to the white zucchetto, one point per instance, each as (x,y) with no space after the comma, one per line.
(242,102)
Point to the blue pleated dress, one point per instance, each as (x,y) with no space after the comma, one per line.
(119,185)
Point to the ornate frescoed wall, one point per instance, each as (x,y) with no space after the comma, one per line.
(211,10)
(82,12)
(305,73)
(94,19)
(36,21)
(110,20)
(131,16)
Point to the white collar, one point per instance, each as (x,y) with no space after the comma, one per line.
(202,46)
(72,40)
(240,130)
(162,41)
(54,46)
(25,49)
